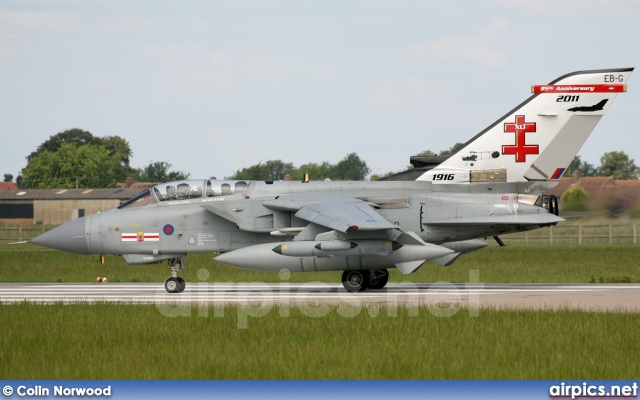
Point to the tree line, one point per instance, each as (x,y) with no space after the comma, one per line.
(77,158)
(616,164)
(350,168)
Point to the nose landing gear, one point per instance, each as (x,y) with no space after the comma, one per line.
(175,284)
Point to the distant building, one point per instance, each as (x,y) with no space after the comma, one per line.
(8,186)
(602,190)
(57,206)
(130,184)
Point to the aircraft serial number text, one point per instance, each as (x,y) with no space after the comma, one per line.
(443,177)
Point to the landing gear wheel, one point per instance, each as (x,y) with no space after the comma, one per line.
(175,284)
(355,281)
(172,285)
(182,284)
(378,278)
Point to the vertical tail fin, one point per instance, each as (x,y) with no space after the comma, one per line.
(537,140)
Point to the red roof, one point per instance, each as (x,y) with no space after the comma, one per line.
(563,185)
(629,191)
(595,186)
(8,186)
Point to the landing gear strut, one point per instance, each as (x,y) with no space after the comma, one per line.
(175,284)
(378,278)
(358,281)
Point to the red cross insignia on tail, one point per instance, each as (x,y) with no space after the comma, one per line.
(520,149)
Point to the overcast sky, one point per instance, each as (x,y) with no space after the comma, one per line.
(214,86)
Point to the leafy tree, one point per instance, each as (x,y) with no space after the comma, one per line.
(75,136)
(426,153)
(158,171)
(270,170)
(583,167)
(618,165)
(276,169)
(254,172)
(429,153)
(87,166)
(316,171)
(351,168)
(451,149)
(67,155)
(575,199)
(118,146)
(389,173)
(8,177)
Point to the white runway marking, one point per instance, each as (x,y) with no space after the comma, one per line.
(590,297)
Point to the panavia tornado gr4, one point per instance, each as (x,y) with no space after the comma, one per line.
(493,185)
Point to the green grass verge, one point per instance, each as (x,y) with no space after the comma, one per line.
(120,341)
(124,341)
(510,264)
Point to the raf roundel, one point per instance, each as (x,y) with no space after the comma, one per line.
(168,229)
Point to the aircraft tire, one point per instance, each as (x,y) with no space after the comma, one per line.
(380,280)
(172,285)
(182,283)
(355,281)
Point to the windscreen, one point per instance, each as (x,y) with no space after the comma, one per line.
(196,189)
(143,199)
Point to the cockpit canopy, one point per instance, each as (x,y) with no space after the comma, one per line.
(185,190)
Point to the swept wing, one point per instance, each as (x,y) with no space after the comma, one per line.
(338,213)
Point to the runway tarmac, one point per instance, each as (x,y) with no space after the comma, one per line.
(593,297)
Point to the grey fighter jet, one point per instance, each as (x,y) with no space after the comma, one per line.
(493,185)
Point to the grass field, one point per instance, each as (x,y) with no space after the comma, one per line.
(510,264)
(119,341)
(124,341)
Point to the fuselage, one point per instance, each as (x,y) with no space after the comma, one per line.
(209,217)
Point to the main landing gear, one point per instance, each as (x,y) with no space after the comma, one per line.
(357,281)
(175,284)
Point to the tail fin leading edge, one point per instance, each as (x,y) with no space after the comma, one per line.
(537,140)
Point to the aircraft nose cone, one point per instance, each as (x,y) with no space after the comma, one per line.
(70,237)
